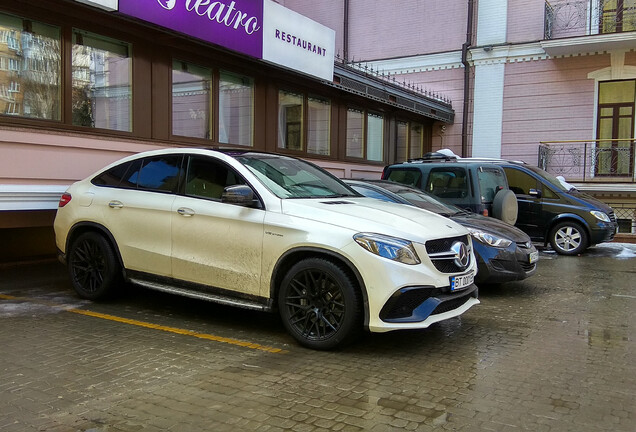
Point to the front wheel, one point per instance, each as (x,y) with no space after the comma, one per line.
(93,267)
(319,304)
(568,238)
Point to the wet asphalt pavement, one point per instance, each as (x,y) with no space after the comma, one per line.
(556,352)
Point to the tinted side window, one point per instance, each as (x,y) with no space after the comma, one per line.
(208,178)
(409,177)
(159,173)
(448,182)
(491,180)
(520,183)
(114,176)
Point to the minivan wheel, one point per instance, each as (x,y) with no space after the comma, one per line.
(94,269)
(319,304)
(568,238)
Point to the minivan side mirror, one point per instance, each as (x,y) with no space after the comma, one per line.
(242,195)
(535,193)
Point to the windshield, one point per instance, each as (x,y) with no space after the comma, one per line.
(422,200)
(552,180)
(293,178)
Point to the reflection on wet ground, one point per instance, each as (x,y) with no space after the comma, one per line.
(552,353)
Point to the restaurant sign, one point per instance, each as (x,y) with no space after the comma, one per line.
(261,29)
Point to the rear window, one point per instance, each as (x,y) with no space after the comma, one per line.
(491,181)
(448,182)
(410,177)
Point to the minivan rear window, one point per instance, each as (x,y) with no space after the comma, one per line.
(410,177)
(491,180)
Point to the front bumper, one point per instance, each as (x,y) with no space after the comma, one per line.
(602,232)
(504,265)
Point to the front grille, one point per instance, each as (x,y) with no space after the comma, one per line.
(612,216)
(444,262)
(527,267)
(444,244)
(524,245)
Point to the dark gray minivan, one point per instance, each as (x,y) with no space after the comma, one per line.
(553,211)
(548,210)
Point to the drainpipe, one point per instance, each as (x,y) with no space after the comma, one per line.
(345,32)
(465,46)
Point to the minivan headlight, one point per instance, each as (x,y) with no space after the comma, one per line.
(392,248)
(600,216)
(489,238)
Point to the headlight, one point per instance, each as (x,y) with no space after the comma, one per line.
(392,248)
(600,216)
(489,238)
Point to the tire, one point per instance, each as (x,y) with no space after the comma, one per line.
(505,206)
(93,267)
(319,304)
(568,238)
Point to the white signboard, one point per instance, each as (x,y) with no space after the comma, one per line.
(109,5)
(297,42)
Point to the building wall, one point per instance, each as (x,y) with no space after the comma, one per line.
(381,30)
(525,21)
(548,100)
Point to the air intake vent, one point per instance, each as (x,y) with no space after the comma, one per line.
(337,202)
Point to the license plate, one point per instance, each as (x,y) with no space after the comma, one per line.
(461,281)
(533,257)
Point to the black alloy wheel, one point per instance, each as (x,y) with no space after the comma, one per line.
(93,267)
(319,304)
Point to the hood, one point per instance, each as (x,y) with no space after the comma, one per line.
(589,201)
(492,225)
(372,215)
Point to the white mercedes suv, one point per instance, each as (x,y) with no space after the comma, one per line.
(266,232)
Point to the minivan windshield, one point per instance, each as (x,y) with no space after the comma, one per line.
(288,177)
(552,180)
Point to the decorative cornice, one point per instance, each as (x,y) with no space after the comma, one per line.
(30,197)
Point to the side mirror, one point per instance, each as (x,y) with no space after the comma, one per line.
(242,195)
(535,193)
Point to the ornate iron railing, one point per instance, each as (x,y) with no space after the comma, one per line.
(594,160)
(568,18)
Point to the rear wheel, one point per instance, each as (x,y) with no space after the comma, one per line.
(568,238)
(94,269)
(319,304)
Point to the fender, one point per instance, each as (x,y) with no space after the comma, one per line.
(307,251)
(563,217)
(80,227)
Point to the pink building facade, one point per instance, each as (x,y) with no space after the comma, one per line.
(550,83)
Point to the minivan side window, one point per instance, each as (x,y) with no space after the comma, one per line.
(448,182)
(521,183)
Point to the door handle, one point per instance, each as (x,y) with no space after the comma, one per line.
(184,211)
(115,204)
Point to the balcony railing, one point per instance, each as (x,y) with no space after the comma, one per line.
(569,18)
(587,161)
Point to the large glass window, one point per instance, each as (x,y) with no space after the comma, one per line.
(618,16)
(319,126)
(236,109)
(615,128)
(401,141)
(102,82)
(290,120)
(416,144)
(191,100)
(30,68)
(355,133)
(375,137)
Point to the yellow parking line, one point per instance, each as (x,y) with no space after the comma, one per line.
(144,324)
